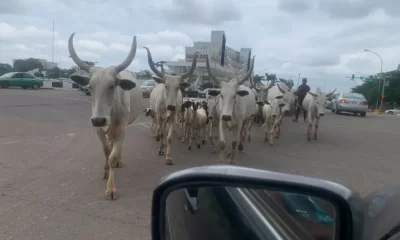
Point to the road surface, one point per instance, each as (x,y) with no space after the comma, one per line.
(51,164)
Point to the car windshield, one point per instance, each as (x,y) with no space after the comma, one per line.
(353,95)
(7,75)
(148,83)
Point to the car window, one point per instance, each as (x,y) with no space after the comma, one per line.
(149,83)
(27,75)
(353,95)
(18,75)
(7,75)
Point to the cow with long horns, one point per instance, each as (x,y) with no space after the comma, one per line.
(315,104)
(166,100)
(116,102)
(236,107)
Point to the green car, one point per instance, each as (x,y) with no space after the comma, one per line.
(20,79)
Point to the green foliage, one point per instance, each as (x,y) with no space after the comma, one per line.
(288,82)
(144,74)
(371,91)
(257,79)
(24,65)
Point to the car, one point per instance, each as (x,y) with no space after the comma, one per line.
(393,111)
(203,93)
(147,87)
(20,79)
(350,102)
(192,91)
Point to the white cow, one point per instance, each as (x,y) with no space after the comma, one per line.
(272,110)
(116,102)
(149,112)
(213,116)
(186,119)
(236,107)
(166,100)
(198,125)
(315,103)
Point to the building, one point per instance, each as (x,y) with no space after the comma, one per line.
(46,65)
(231,64)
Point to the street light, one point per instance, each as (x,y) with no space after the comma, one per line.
(383,80)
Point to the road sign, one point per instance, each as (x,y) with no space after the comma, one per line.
(386,83)
(352,77)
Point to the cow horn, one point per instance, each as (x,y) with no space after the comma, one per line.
(280,89)
(313,94)
(248,74)
(330,94)
(151,64)
(253,85)
(129,59)
(81,64)
(192,68)
(216,79)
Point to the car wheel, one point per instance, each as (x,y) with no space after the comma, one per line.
(35,86)
(24,87)
(390,112)
(5,84)
(363,114)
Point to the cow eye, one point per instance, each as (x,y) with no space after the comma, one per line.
(112,87)
(222,96)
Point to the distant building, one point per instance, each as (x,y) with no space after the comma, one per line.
(224,61)
(46,65)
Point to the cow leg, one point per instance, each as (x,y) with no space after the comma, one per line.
(272,134)
(197,134)
(242,132)
(222,142)
(310,123)
(115,156)
(161,134)
(106,149)
(204,135)
(159,129)
(316,128)
(235,139)
(249,131)
(171,129)
(189,132)
(184,132)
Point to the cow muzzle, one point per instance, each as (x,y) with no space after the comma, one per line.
(274,115)
(321,114)
(226,118)
(98,121)
(171,108)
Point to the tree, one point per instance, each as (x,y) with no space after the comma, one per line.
(288,82)
(270,76)
(258,78)
(144,74)
(5,68)
(24,65)
(54,73)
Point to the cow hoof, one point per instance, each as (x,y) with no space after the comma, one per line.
(158,138)
(229,155)
(271,144)
(190,147)
(168,161)
(204,142)
(309,138)
(240,147)
(111,195)
(198,146)
(276,136)
(160,153)
(119,165)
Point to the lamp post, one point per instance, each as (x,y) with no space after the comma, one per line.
(383,80)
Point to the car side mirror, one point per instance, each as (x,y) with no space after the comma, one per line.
(230,202)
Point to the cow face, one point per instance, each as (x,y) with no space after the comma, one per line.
(227,99)
(320,102)
(276,106)
(212,104)
(173,84)
(103,83)
(288,99)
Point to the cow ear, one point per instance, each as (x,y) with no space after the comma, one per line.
(158,79)
(266,102)
(278,97)
(242,93)
(184,84)
(281,105)
(126,84)
(260,103)
(83,81)
(214,93)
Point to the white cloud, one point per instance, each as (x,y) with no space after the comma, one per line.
(321,39)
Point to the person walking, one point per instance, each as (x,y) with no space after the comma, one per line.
(301,93)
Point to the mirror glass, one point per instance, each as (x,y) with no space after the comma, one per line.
(241,213)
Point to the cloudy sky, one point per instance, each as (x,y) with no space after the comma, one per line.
(323,40)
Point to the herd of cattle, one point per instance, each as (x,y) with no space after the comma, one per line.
(116,103)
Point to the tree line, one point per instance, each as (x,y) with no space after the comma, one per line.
(269,77)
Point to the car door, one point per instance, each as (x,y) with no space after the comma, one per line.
(17,80)
(28,80)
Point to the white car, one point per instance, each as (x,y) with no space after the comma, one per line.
(350,102)
(393,111)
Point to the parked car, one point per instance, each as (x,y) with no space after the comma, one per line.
(393,111)
(20,79)
(350,102)
(192,91)
(147,87)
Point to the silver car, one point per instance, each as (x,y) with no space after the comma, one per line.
(350,102)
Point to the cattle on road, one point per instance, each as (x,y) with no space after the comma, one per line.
(272,111)
(236,107)
(166,100)
(116,102)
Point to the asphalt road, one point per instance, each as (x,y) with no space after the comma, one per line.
(51,164)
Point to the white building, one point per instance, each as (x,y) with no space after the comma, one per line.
(233,63)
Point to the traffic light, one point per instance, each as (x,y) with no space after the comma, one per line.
(362,78)
(352,77)
(383,97)
(370,79)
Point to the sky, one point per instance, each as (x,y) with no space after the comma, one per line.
(324,40)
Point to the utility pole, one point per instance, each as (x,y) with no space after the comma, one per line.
(298,80)
(52,52)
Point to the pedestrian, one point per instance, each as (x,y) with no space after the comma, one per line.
(301,93)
